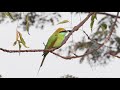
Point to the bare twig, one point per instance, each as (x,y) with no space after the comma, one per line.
(108,14)
(117,56)
(113,53)
(112,29)
(17,51)
(87,35)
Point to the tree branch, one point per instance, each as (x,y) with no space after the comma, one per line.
(17,51)
(117,56)
(112,53)
(108,14)
(112,29)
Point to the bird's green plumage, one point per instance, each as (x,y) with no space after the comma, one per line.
(54,41)
(60,38)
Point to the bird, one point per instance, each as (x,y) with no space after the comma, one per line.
(54,41)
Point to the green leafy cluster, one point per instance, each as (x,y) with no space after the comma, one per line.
(20,41)
(28,19)
(93,17)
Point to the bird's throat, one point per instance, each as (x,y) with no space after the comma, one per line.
(63,33)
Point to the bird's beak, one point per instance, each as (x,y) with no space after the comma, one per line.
(68,30)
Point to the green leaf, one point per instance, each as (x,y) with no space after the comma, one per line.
(103,26)
(22,40)
(19,46)
(64,21)
(92,20)
(15,43)
(27,24)
(91,24)
(98,32)
(9,15)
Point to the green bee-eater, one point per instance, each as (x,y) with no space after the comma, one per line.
(54,41)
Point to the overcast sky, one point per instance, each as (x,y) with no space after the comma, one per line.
(26,65)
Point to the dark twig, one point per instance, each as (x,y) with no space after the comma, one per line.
(112,29)
(87,35)
(17,51)
(108,14)
(113,53)
(117,56)
(43,43)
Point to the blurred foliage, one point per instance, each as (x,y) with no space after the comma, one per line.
(0,76)
(93,17)
(102,30)
(68,76)
(38,19)
(28,19)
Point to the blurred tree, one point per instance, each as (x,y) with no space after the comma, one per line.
(38,19)
(0,76)
(102,56)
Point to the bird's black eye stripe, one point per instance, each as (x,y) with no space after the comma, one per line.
(63,31)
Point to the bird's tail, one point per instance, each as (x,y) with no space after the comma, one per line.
(41,63)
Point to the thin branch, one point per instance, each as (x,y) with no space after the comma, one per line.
(87,35)
(108,14)
(112,29)
(69,57)
(39,50)
(17,51)
(113,53)
(117,56)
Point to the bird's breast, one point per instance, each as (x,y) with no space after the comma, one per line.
(59,40)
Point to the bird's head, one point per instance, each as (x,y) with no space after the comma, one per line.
(62,30)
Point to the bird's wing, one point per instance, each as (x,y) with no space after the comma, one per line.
(51,42)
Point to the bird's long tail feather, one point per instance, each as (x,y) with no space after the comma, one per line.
(41,64)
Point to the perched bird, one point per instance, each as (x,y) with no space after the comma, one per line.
(54,41)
